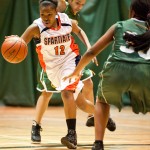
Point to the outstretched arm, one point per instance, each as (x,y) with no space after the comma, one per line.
(83,37)
(100,45)
(80,33)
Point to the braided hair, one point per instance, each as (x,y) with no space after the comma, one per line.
(142,12)
(138,42)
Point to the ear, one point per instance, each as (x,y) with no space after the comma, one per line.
(131,13)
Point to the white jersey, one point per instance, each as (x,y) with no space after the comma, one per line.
(56,52)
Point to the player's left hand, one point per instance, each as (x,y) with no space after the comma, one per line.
(11,36)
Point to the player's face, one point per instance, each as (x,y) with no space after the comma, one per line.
(47,14)
(76,5)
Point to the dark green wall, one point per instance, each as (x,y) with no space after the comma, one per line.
(18,81)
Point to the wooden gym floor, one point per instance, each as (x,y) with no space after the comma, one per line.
(132,133)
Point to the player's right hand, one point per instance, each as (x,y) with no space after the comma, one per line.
(94,60)
(72,78)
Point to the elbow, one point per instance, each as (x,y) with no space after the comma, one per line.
(91,54)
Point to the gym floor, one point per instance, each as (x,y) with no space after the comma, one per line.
(132,133)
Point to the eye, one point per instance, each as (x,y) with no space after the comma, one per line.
(49,14)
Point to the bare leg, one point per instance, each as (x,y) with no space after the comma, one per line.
(70,140)
(69,104)
(101,115)
(88,91)
(42,105)
(85,105)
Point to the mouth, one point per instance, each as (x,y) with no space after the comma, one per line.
(46,23)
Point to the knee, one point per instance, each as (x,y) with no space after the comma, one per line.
(47,95)
(67,96)
(88,83)
(80,104)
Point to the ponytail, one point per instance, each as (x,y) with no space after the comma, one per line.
(138,42)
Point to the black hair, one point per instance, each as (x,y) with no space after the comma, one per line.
(138,42)
(141,9)
(142,12)
(53,2)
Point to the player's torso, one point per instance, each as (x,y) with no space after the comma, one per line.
(56,44)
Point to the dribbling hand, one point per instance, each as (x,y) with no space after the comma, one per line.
(11,36)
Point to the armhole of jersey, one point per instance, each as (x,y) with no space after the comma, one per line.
(117,26)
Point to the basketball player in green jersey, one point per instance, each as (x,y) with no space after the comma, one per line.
(127,68)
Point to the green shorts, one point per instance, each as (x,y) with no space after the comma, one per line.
(118,78)
(86,74)
(44,84)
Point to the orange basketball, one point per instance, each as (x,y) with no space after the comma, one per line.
(14,49)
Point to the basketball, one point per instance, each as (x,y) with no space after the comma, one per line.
(14,49)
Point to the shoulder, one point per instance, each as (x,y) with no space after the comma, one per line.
(122,23)
(38,21)
(62,5)
(33,26)
(64,18)
(63,15)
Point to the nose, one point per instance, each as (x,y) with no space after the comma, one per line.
(45,18)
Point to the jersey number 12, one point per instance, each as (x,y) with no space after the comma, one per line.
(60,50)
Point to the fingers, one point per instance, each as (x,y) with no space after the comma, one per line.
(72,78)
(11,36)
(95,61)
(65,78)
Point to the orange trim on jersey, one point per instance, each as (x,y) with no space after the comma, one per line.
(40,56)
(72,86)
(59,25)
(74,47)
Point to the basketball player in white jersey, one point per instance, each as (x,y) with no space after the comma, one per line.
(58,58)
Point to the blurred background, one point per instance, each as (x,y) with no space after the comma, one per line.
(18,81)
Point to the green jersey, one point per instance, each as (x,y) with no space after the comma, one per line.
(120,49)
(126,71)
